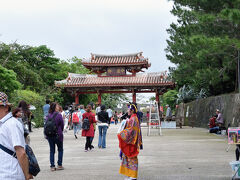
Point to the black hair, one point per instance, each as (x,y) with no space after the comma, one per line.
(89,108)
(15,111)
(52,108)
(66,108)
(103,107)
(24,106)
(47,101)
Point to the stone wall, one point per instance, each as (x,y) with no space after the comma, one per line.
(197,113)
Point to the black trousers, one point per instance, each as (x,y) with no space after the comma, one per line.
(30,126)
(237,153)
(88,144)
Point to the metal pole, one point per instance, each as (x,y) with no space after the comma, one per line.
(238,71)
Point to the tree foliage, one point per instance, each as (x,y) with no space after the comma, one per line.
(204,43)
(8,80)
(32,98)
(28,73)
(170,98)
(113,99)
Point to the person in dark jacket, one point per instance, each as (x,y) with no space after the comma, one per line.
(58,139)
(103,123)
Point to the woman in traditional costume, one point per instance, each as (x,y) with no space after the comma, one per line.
(130,141)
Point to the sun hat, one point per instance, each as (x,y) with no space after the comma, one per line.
(4,100)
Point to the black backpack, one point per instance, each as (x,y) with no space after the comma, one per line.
(86,124)
(50,128)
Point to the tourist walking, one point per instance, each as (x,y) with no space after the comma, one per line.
(66,118)
(15,167)
(82,109)
(17,113)
(110,112)
(76,119)
(55,135)
(116,117)
(130,141)
(46,110)
(148,118)
(87,127)
(26,114)
(98,109)
(103,124)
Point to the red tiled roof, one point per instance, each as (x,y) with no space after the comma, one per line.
(116,60)
(150,79)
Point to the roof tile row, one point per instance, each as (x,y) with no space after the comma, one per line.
(151,79)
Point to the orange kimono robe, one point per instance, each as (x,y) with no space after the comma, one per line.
(129,143)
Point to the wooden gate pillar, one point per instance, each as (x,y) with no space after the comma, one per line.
(134,96)
(158,102)
(99,97)
(157,96)
(76,98)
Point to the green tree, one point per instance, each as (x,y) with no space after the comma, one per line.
(203,44)
(35,66)
(32,98)
(170,98)
(8,82)
(113,99)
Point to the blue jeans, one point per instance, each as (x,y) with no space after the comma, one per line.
(102,136)
(76,127)
(214,129)
(52,141)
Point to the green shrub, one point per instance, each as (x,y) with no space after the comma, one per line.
(32,98)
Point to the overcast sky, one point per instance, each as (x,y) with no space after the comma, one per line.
(80,27)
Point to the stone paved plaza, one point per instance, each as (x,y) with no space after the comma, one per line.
(179,154)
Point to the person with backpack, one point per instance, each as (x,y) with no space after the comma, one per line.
(76,120)
(88,118)
(53,130)
(103,123)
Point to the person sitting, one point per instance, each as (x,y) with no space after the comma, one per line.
(219,120)
(216,123)
(212,123)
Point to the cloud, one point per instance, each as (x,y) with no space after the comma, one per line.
(79,27)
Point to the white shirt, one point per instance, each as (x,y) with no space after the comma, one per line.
(109,111)
(11,135)
(98,109)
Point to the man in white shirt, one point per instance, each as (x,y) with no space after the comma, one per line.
(12,138)
(110,112)
(98,109)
